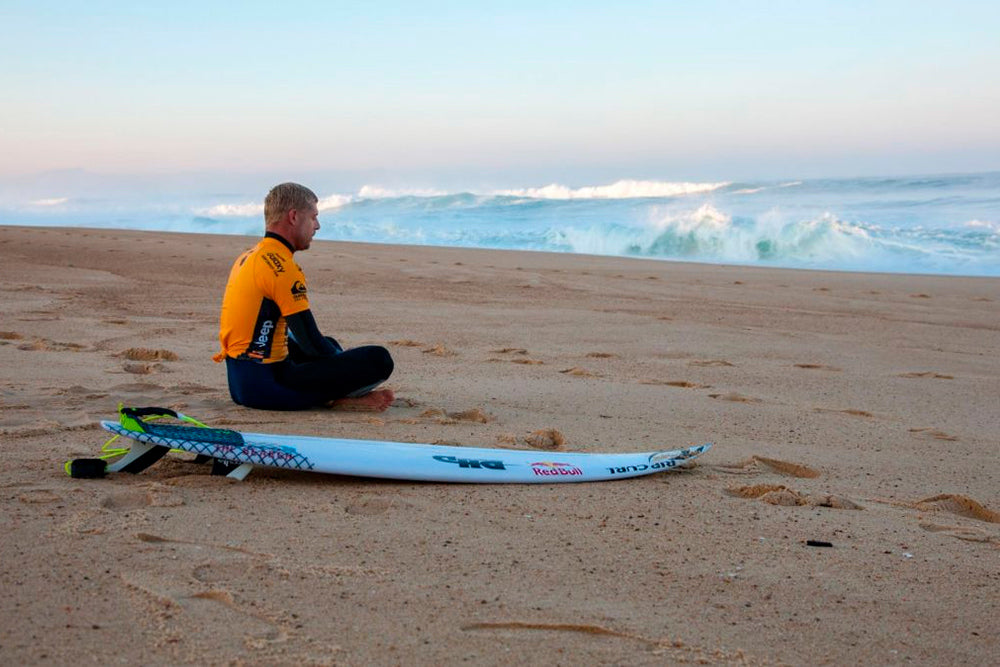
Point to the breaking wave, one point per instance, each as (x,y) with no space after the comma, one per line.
(946,224)
(625,189)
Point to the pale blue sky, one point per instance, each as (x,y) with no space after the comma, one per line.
(568,91)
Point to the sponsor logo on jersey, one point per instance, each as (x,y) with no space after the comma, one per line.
(273,260)
(265,332)
(299,290)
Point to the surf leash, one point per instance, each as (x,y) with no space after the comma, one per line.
(133,419)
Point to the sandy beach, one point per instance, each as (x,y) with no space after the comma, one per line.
(858,410)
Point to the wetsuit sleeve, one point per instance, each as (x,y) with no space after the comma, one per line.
(307,336)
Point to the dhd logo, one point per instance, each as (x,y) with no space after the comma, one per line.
(471,463)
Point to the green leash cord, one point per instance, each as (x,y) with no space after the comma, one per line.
(133,419)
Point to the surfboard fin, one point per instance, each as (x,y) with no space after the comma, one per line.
(232,470)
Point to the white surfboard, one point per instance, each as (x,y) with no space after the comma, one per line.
(236,453)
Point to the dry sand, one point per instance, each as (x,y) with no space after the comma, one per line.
(859,410)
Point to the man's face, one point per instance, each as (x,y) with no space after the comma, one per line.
(305,224)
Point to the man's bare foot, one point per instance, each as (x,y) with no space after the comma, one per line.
(373,401)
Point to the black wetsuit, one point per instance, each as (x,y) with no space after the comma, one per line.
(276,357)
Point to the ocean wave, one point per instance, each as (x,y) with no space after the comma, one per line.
(625,189)
(254,209)
(708,234)
(53,201)
(231,210)
(379,192)
(983,224)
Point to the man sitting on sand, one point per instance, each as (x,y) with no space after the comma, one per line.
(276,357)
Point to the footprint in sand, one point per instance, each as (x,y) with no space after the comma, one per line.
(511,350)
(966,533)
(156,495)
(580,372)
(528,362)
(147,354)
(682,384)
(934,434)
(440,351)
(141,369)
(779,494)
(10,335)
(476,415)
(754,463)
(708,363)
(369,507)
(851,412)
(928,374)
(221,571)
(45,345)
(406,343)
(548,439)
(818,367)
(735,398)
(959,505)
(39,497)
(601,355)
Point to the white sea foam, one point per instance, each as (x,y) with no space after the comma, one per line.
(379,192)
(625,189)
(983,224)
(257,209)
(334,202)
(231,210)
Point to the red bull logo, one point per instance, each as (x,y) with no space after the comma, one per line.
(551,468)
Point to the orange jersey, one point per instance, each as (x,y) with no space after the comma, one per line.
(265,286)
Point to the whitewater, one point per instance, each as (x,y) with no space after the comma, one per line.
(946,224)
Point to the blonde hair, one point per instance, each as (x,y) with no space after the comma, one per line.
(284,198)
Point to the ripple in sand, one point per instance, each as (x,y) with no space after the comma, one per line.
(709,363)
(928,374)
